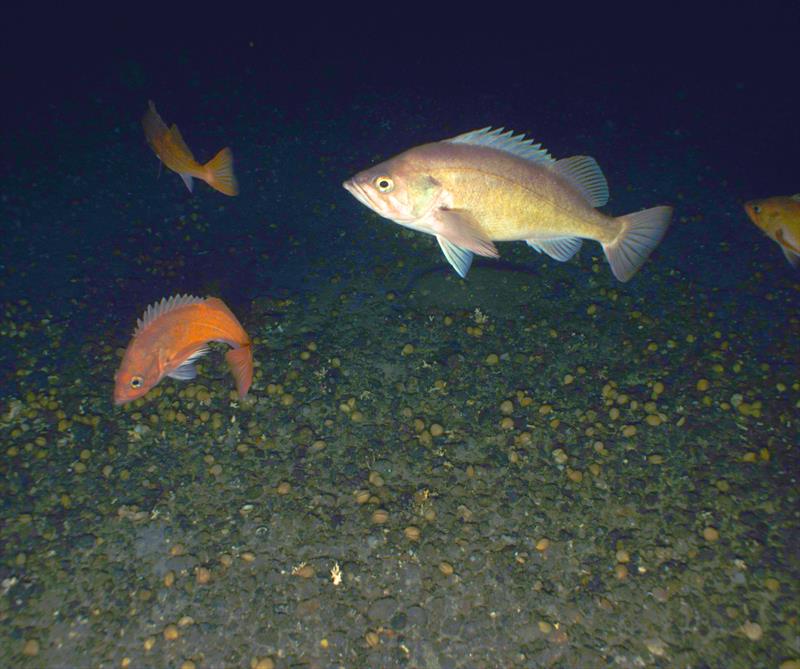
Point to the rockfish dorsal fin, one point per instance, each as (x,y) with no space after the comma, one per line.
(585,174)
(166,305)
(507,141)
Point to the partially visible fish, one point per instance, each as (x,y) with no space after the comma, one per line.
(169,146)
(779,218)
(170,337)
(489,185)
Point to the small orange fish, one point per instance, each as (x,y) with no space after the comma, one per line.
(779,218)
(171,336)
(169,146)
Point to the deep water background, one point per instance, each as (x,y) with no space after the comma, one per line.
(693,106)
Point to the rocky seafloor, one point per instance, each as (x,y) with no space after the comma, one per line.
(536,467)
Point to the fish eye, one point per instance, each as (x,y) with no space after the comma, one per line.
(136,382)
(384,184)
(756,209)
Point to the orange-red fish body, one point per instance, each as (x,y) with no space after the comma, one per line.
(168,145)
(779,218)
(171,336)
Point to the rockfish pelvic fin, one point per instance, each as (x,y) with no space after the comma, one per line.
(460,259)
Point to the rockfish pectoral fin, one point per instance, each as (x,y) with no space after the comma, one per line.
(460,236)
(639,235)
(459,227)
(187,371)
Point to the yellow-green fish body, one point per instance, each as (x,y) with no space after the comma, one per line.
(487,186)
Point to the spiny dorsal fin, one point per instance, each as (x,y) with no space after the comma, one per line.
(585,174)
(166,305)
(505,141)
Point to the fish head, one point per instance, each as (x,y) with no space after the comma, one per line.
(398,189)
(767,214)
(137,374)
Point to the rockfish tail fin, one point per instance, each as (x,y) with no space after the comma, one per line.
(218,173)
(240,360)
(639,235)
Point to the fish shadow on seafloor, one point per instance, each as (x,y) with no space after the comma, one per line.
(444,268)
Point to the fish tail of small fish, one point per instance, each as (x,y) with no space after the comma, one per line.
(218,173)
(240,360)
(638,236)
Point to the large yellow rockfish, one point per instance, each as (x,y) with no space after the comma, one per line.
(488,185)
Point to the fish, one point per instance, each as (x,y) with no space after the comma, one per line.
(169,339)
(489,186)
(168,145)
(779,218)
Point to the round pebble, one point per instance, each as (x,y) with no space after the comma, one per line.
(380,516)
(262,663)
(31,648)
(752,630)
(412,533)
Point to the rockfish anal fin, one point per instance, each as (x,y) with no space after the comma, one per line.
(559,248)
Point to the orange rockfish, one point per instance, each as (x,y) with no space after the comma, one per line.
(779,218)
(173,152)
(486,186)
(171,336)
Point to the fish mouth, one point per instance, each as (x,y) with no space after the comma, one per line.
(360,193)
